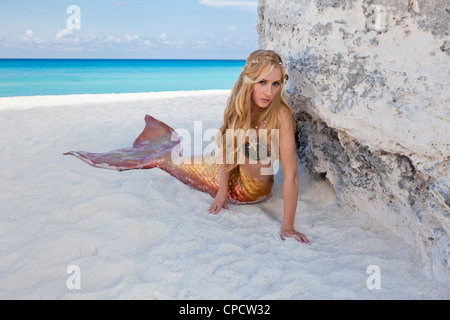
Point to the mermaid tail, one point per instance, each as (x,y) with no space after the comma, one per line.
(148,151)
(154,149)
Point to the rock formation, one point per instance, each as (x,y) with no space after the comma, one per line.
(369,86)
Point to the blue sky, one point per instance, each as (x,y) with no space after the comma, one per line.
(149,29)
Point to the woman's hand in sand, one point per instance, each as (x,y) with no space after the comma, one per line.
(219,202)
(291,233)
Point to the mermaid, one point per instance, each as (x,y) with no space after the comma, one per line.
(258,128)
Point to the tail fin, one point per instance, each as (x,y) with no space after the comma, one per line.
(150,149)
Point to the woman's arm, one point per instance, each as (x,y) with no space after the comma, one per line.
(222,195)
(290,175)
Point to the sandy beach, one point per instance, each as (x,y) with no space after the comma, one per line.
(142,234)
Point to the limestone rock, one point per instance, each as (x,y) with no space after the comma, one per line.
(368,82)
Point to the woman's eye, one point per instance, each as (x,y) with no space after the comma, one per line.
(262,82)
(276,84)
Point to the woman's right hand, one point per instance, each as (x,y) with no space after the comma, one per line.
(220,201)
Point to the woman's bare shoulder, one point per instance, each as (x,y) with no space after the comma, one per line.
(284,115)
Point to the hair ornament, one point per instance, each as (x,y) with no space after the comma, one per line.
(257,60)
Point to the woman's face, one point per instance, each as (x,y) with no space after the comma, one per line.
(265,91)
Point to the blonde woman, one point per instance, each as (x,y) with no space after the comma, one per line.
(258,128)
(257,102)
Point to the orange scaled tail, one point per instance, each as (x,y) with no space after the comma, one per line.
(153,148)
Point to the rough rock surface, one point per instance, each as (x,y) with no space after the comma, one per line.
(369,88)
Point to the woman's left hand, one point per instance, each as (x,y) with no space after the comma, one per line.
(291,233)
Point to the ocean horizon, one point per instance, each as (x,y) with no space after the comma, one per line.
(37,77)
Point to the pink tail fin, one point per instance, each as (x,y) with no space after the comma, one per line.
(149,150)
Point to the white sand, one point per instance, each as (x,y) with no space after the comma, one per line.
(143,234)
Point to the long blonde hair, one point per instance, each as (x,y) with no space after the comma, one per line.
(237,113)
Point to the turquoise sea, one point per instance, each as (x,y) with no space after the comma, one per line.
(29,77)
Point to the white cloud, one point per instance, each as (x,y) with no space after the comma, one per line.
(64,42)
(67,40)
(113,40)
(168,42)
(135,42)
(119,4)
(252,5)
(63,34)
(131,38)
(32,38)
(163,37)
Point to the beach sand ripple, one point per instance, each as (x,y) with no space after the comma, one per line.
(143,234)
